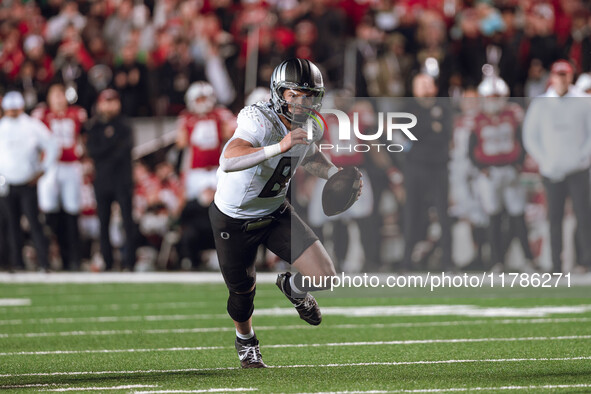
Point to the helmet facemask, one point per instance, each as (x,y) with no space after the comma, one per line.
(299,108)
(202,107)
(493,104)
(494,92)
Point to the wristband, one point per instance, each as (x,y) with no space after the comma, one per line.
(331,171)
(272,150)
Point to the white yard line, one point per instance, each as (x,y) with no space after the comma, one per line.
(462,389)
(467,323)
(335,365)
(111,319)
(299,327)
(120,332)
(106,307)
(349,311)
(437,310)
(100,388)
(303,345)
(106,351)
(122,277)
(15,301)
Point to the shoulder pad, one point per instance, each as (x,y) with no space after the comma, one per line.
(263,119)
(271,120)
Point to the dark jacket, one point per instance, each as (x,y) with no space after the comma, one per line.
(109,145)
(433,131)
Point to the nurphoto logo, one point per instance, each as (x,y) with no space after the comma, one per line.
(387,123)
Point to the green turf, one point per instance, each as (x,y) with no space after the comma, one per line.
(79,318)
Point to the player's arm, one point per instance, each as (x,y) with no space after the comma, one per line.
(182,137)
(48,144)
(240,154)
(532,141)
(318,164)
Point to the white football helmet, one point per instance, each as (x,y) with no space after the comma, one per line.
(495,92)
(301,75)
(196,91)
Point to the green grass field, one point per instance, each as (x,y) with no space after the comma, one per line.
(169,338)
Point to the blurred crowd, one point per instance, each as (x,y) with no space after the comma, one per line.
(148,54)
(151,50)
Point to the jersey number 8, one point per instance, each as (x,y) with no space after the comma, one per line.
(279,179)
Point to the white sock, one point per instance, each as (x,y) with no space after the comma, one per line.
(245,337)
(295,292)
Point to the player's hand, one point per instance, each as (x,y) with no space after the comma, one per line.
(295,137)
(485,172)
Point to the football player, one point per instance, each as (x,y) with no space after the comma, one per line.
(463,173)
(496,149)
(203,128)
(60,188)
(250,208)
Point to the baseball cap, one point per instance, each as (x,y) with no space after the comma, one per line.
(13,100)
(108,94)
(562,67)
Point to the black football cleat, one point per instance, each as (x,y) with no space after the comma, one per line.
(249,353)
(307,307)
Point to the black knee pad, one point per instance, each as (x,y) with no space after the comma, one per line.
(241,305)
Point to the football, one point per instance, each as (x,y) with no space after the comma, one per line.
(341,190)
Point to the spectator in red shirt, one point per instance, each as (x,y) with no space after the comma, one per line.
(11,56)
(33,22)
(162,48)
(72,45)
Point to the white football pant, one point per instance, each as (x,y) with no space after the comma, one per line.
(61,187)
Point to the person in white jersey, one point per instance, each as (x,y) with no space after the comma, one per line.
(250,207)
